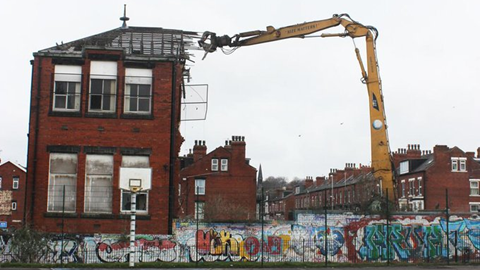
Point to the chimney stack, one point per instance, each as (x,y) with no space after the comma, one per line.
(308,181)
(319,180)
(199,150)
(238,147)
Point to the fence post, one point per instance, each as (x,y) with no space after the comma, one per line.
(456,243)
(388,232)
(196,231)
(262,210)
(303,248)
(326,229)
(63,225)
(448,229)
(428,250)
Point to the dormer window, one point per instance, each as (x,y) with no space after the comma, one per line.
(404,167)
(215,164)
(297,190)
(459,164)
(224,164)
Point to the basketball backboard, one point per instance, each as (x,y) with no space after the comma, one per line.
(135,179)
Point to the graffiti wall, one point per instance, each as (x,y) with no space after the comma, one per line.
(340,239)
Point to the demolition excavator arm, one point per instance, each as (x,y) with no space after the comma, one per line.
(382,165)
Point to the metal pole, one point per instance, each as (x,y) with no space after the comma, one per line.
(448,229)
(63,225)
(196,232)
(388,233)
(331,194)
(326,230)
(262,210)
(133,210)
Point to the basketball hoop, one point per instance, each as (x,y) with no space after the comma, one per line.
(134,180)
(135,189)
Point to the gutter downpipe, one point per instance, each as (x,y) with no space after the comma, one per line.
(172,146)
(35,145)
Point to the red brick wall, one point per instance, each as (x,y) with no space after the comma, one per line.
(7,172)
(439,177)
(237,186)
(83,131)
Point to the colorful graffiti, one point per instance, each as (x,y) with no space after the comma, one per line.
(345,239)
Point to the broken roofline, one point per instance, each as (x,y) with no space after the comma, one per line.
(140,42)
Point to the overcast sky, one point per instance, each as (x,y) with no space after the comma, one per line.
(299,102)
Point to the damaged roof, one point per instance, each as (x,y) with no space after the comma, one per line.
(136,42)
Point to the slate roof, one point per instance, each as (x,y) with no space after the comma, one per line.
(136,42)
(343,182)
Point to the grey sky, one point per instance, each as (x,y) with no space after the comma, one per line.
(299,103)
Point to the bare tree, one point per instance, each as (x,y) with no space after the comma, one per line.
(274,182)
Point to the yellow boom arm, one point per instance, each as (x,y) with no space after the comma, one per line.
(382,165)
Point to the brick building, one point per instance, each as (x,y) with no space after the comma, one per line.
(12,195)
(424,176)
(279,204)
(221,185)
(351,189)
(97,104)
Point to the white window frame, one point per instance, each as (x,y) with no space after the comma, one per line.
(72,77)
(103,71)
(297,190)
(1,179)
(215,164)
(474,205)
(420,191)
(224,164)
(404,167)
(126,208)
(403,205)
(403,188)
(474,182)
(134,162)
(55,190)
(14,206)
(92,203)
(15,182)
(462,166)
(411,187)
(201,210)
(200,186)
(137,78)
(454,164)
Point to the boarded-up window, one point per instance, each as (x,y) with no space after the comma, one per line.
(98,184)
(142,196)
(62,187)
